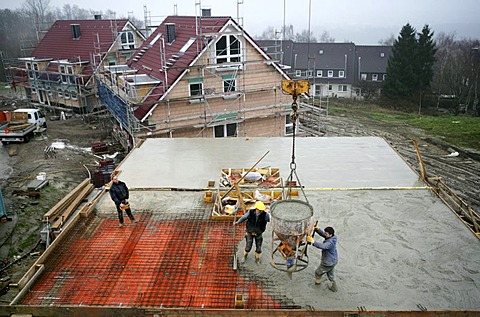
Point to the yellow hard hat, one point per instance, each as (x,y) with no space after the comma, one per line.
(259,205)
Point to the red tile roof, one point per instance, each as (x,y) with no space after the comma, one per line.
(58,42)
(147,59)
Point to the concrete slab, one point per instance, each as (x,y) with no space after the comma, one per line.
(400,247)
(321,162)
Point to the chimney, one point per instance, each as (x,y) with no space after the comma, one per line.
(170,30)
(75,31)
(206,12)
(97,16)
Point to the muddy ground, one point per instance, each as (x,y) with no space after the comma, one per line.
(20,242)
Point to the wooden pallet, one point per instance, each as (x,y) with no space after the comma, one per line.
(271,177)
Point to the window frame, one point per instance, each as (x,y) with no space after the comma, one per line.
(330,74)
(194,82)
(127,40)
(298,73)
(226,130)
(319,73)
(229,81)
(374,77)
(341,74)
(342,88)
(230,53)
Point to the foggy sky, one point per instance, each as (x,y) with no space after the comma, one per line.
(358,21)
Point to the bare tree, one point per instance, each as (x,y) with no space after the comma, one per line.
(388,41)
(326,38)
(305,37)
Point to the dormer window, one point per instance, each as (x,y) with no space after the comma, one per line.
(227,49)
(127,40)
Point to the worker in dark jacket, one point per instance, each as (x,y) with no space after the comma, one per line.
(256,224)
(119,194)
(329,255)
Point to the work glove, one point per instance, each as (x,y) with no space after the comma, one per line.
(317,226)
(310,240)
(235,223)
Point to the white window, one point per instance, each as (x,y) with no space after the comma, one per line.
(70,70)
(384,77)
(195,86)
(341,73)
(62,69)
(330,73)
(342,88)
(309,73)
(298,73)
(320,52)
(227,49)
(288,125)
(29,66)
(35,66)
(127,40)
(319,73)
(374,77)
(229,83)
(226,130)
(363,76)
(382,54)
(318,90)
(330,87)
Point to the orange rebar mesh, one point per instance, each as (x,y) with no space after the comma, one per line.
(157,262)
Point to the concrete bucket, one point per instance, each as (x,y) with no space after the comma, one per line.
(291,223)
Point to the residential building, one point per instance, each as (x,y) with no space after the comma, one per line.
(59,72)
(197,76)
(342,70)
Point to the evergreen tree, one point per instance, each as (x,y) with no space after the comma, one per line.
(426,60)
(401,67)
(410,67)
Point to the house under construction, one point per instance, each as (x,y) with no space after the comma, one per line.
(197,76)
(402,251)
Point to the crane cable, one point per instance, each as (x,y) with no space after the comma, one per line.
(293,165)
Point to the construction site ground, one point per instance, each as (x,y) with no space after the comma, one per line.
(21,163)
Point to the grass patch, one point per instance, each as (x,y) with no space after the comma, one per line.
(461,131)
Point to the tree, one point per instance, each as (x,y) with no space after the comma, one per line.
(387,41)
(326,38)
(425,59)
(401,68)
(305,37)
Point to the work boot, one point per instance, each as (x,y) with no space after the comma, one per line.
(318,280)
(245,254)
(120,224)
(332,286)
(257,257)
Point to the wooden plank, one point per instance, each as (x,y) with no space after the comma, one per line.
(70,209)
(65,201)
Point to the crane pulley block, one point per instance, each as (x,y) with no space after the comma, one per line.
(295,88)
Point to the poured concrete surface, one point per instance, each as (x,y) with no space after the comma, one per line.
(400,247)
(321,162)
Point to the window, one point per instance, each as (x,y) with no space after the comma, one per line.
(341,73)
(298,73)
(330,87)
(309,73)
(288,125)
(320,52)
(62,69)
(35,66)
(318,90)
(227,49)
(384,77)
(74,95)
(375,77)
(342,88)
(382,54)
(363,76)
(229,83)
(127,40)
(70,70)
(65,79)
(226,130)
(319,73)
(330,73)
(195,86)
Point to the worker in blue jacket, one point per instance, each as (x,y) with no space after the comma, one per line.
(256,224)
(119,194)
(329,255)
